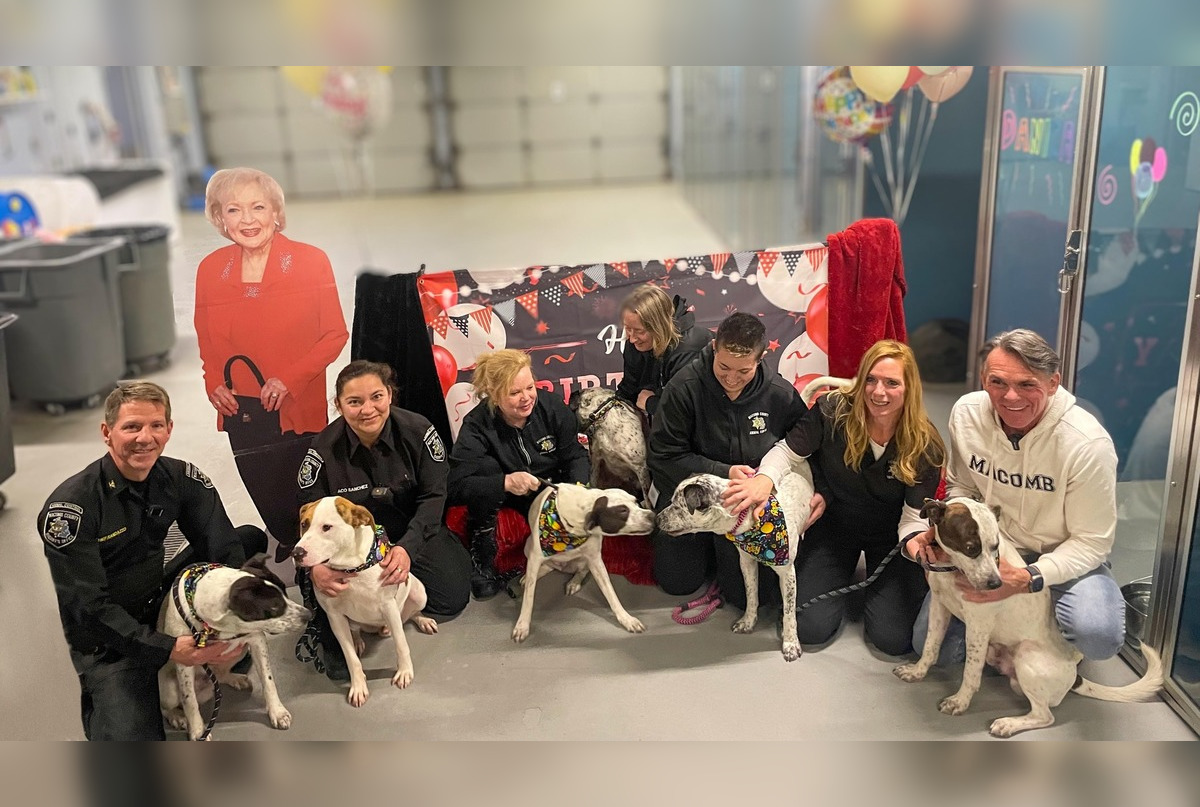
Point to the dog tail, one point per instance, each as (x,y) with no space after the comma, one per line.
(1144,689)
(809,393)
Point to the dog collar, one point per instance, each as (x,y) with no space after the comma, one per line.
(552,535)
(948,567)
(379,548)
(590,425)
(188,579)
(766,541)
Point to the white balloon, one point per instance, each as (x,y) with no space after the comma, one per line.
(793,292)
(478,339)
(933,71)
(801,359)
(460,399)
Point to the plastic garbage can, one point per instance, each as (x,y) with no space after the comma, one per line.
(67,347)
(147,307)
(8,458)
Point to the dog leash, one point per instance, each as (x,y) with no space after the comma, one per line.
(188,580)
(709,601)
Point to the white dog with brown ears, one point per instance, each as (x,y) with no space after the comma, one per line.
(567,525)
(343,535)
(1018,635)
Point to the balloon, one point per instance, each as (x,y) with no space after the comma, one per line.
(847,114)
(1135,156)
(914,75)
(946,85)
(816,319)
(1143,181)
(879,82)
(359,99)
(801,359)
(307,78)
(1147,153)
(1159,169)
(18,216)
(447,368)
(933,71)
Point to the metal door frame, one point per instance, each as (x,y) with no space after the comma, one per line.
(1079,211)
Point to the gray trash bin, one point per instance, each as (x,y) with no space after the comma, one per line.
(68,345)
(8,458)
(146,303)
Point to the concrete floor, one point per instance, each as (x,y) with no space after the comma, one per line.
(579,676)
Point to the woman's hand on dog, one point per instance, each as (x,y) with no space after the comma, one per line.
(745,490)
(520,483)
(395,566)
(644,398)
(923,547)
(816,508)
(330,582)
(187,654)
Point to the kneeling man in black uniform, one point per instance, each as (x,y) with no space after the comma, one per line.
(103,532)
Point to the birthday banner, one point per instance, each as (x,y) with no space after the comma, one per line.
(568,317)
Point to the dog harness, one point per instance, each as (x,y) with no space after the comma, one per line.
(767,541)
(603,409)
(552,535)
(379,548)
(188,579)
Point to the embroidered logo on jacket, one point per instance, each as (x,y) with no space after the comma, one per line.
(546,444)
(758,422)
(61,525)
(195,473)
(768,541)
(307,477)
(433,443)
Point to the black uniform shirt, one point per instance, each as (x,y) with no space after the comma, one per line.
(401,479)
(645,372)
(103,537)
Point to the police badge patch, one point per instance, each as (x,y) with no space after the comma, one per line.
(307,477)
(61,526)
(195,473)
(546,444)
(433,442)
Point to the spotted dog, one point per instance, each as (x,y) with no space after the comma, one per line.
(771,541)
(220,603)
(342,534)
(567,525)
(616,442)
(1018,635)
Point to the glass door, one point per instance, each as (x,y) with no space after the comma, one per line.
(1030,199)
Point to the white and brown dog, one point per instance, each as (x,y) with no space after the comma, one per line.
(1018,635)
(771,541)
(337,532)
(616,442)
(220,603)
(567,525)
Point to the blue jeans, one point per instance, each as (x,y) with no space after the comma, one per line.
(1090,612)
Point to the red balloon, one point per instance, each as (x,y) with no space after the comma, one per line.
(816,319)
(447,367)
(915,74)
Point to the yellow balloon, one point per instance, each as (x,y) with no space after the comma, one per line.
(932,71)
(1135,156)
(307,77)
(880,83)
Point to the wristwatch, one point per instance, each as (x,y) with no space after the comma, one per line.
(1036,581)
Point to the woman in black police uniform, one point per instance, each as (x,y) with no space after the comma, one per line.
(392,462)
(517,437)
(661,338)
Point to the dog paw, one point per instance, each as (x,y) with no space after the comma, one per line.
(520,632)
(236,681)
(744,625)
(954,705)
(791,651)
(909,673)
(402,679)
(360,646)
(358,694)
(425,624)
(281,719)
(1004,727)
(632,624)
(176,720)
(385,631)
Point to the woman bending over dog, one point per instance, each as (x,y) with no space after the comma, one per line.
(661,337)
(875,457)
(392,462)
(505,448)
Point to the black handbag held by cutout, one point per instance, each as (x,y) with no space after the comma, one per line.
(252,426)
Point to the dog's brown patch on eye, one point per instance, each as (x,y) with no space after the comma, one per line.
(958,531)
(306,515)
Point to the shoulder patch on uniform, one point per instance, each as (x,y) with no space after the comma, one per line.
(433,442)
(307,477)
(61,525)
(195,473)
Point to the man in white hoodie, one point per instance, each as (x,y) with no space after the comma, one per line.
(1022,444)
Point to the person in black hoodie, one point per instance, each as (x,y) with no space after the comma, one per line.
(520,436)
(661,338)
(719,415)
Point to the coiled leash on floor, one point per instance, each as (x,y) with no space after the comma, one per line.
(187,580)
(711,599)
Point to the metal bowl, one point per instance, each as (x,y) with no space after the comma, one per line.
(1137,607)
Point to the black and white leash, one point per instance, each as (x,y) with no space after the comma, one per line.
(187,581)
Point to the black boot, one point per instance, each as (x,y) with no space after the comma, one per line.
(485,583)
